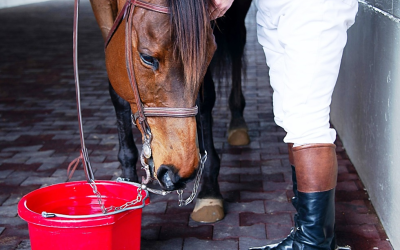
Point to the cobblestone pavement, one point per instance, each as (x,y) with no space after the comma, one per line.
(39,138)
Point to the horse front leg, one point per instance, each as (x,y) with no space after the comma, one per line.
(209,204)
(128,153)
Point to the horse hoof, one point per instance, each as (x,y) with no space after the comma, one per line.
(238,137)
(208,210)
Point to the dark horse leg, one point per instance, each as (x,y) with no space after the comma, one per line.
(231,34)
(209,203)
(128,153)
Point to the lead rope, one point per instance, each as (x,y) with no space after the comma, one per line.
(84,157)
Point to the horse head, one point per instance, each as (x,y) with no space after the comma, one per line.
(169,55)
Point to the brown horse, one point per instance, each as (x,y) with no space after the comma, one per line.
(231,37)
(169,53)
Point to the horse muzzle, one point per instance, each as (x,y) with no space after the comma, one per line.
(170,180)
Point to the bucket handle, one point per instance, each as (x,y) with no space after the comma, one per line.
(117,210)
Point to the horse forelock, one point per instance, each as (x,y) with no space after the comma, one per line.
(190,22)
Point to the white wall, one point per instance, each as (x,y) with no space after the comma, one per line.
(12,3)
(366,107)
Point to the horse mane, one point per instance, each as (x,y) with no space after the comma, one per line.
(191,22)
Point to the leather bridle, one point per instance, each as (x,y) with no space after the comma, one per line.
(140,117)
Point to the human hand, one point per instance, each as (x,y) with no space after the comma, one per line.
(219,7)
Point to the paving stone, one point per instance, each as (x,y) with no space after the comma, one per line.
(174,208)
(161,219)
(246,186)
(12,222)
(28,173)
(231,157)
(44,181)
(196,244)
(20,159)
(353,218)
(4,155)
(271,186)
(54,160)
(276,206)
(3,198)
(22,149)
(8,211)
(24,245)
(356,231)
(34,154)
(172,244)
(13,181)
(278,231)
(155,207)
(63,172)
(274,169)
(346,186)
(278,195)
(112,165)
(278,177)
(248,219)
(150,232)
(201,232)
(9,137)
(248,170)
(12,200)
(5,173)
(223,232)
(47,166)
(253,207)
(105,172)
(371,244)
(246,242)
(9,242)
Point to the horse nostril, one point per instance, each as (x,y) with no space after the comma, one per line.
(169,178)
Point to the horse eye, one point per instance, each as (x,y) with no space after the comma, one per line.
(149,60)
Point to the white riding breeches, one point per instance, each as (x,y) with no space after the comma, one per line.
(303,41)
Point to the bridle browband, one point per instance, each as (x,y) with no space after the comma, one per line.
(123,12)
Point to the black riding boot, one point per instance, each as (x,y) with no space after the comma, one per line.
(314,223)
(316,172)
(286,244)
(316,219)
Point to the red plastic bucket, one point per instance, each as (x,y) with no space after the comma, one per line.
(117,231)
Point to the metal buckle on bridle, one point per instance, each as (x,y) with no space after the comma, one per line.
(146,155)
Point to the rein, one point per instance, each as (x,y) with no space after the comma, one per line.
(139,118)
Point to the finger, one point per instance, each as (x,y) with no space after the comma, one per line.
(214,14)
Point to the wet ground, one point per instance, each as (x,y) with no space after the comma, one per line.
(39,138)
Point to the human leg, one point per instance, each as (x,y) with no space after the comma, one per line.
(303,43)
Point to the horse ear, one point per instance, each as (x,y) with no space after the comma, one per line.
(105,12)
